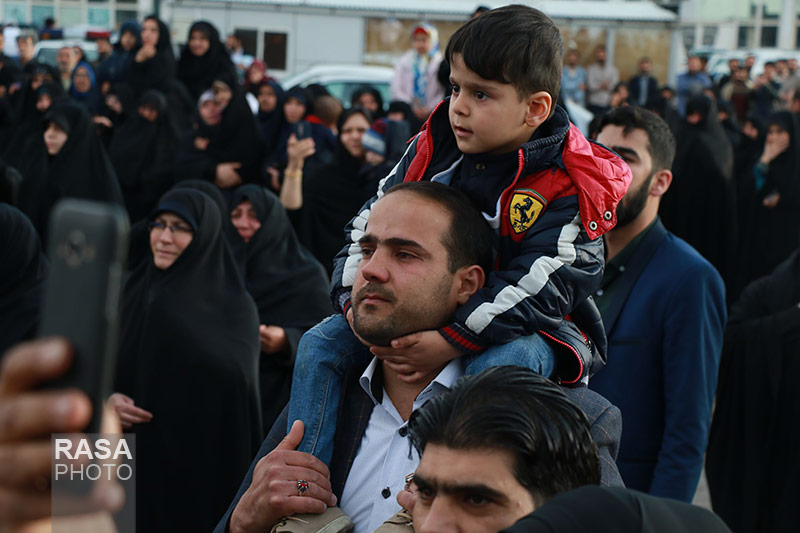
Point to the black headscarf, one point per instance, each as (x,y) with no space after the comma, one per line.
(158,71)
(271,122)
(324,140)
(775,231)
(376,94)
(751,464)
(22,272)
(236,139)
(700,206)
(289,286)
(81,169)
(188,354)
(142,153)
(114,68)
(199,72)
(596,509)
(730,125)
(139,240)
(27,136)
(332,195)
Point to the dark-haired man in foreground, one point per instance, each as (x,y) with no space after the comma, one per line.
(496,447)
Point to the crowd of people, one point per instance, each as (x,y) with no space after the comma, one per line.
(347,322)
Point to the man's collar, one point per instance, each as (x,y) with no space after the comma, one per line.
(372,380)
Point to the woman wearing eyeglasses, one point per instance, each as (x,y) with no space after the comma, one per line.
(187,375)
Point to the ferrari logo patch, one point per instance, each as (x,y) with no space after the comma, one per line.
(525,207)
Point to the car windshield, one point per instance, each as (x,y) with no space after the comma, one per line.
(48,55)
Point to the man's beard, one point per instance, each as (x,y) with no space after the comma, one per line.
(404,318)
(627,212)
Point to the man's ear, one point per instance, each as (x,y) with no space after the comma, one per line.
(661,182)
(539,106)
(468,280)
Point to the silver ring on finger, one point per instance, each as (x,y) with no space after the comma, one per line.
(302,487)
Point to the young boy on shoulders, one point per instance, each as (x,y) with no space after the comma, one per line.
(548,193)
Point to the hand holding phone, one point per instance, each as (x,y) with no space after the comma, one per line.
(87,249)
(24,444)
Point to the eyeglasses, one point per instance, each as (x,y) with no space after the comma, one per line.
(176,229)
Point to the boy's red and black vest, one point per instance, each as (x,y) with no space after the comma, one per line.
(549,203)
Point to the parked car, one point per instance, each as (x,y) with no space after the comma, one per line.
(718,62)
(46,51)
(343,80)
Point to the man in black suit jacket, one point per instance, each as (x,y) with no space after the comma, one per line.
(644,87)
(398,228)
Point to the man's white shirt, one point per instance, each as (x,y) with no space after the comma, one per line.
(385,456)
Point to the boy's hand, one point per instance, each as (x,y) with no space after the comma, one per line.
(416,355)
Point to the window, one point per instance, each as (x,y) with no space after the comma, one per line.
(769,36)
(249,38)
(275,50)
(14,12)
(99,17)
(69,16)
(709,35)
(124,15)
(745,39)
(39,13)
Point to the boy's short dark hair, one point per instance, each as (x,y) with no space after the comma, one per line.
(513,44)
(660,141)
(468,240)
(515,409)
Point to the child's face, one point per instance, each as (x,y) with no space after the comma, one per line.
(487,117)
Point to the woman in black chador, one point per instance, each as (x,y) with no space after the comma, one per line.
(700,206)
(773,232)
(289,286)
(322,198)
(142,151)
(72,163)
(22,272)
(153,65)
(187,374)
(205,60)
(751,464)
(225,144)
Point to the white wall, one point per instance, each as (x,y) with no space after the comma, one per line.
(328,39)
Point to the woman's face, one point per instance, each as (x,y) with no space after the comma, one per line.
(421,43)
(169,237)
(245,221)
(54,138)
(352,131)
(368,101)
(150,33)
(128,40)
(81,80)
(777,134)
(223,95)
(198,43)
(267,99)
(255,75)
(44,102)
(211,113)
(294,110)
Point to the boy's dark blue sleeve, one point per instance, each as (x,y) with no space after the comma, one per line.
(557,268)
